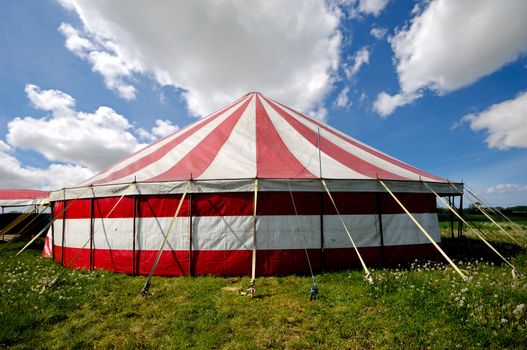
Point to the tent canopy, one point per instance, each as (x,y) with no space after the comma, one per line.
(20,197)
(254,137)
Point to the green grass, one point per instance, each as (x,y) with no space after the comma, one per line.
(423,305)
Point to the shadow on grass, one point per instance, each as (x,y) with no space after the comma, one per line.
(474,249)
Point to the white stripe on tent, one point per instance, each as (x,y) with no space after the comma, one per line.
(306,152)
(360,153)
(155,146)
(175,154)
(239,151)
(235,232)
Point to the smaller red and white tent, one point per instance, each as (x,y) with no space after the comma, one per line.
(21,198)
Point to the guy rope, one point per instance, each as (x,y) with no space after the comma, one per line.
(427,235)
(252,285)
(56,279)
(514,270)
(313,292)
(494,210)
(489,217)
(146,287)
(367,276)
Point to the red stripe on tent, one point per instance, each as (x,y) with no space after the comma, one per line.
(222,262)
(280,203)
(342,156)
(241,204)
(223,204)
(366,203)
(364,147)
(13,194)
(195,162)
(160,152)
(238,262)
(273,158)
(160,206)
(286,262)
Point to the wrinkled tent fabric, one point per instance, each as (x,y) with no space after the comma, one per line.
(221,155)
(19,198)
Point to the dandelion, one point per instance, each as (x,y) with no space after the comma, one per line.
(518,311)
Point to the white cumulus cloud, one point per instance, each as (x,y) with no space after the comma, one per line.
(92,140)
(378,32)
(15,175)
(105,59)
(161,129)
(77,144)
(215,51)
(451,44)
(505,122)
(507,188)
(385,104)
(342,100)
(373,7)
(360,58)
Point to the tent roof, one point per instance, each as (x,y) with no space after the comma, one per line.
(18,197)
(257,137)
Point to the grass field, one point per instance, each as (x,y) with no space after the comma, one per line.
(423,305)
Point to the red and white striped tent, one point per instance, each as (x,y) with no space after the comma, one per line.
(252,174)
(22,197)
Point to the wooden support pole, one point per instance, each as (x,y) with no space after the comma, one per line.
(379,216)
(322,255)
(134,232)
(427,235)
(92,232)
(190,273)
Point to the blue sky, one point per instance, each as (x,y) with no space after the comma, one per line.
(83,83)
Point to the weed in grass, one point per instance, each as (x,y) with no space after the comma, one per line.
(420,305)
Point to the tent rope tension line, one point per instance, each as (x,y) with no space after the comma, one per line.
(25,226)
(427,235)
(493,209)
(146,287)
(490,218)
(20,218)
(514,269)
(56,279)
(367,272)
(252,284)
(313,292)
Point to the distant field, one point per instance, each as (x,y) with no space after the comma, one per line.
(423,305)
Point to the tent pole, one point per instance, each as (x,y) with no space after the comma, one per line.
(134,232)
(190,234)
(146,287)
(427,235)
(450,202)
(460,222)
(490,218)
(367,276)
(514,270)
(252,287)
(63,230)
(379,214)
(322,232)
(52,219)
(50,223)
(494,210)
(92,229)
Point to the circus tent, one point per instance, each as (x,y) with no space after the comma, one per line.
(254,184)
